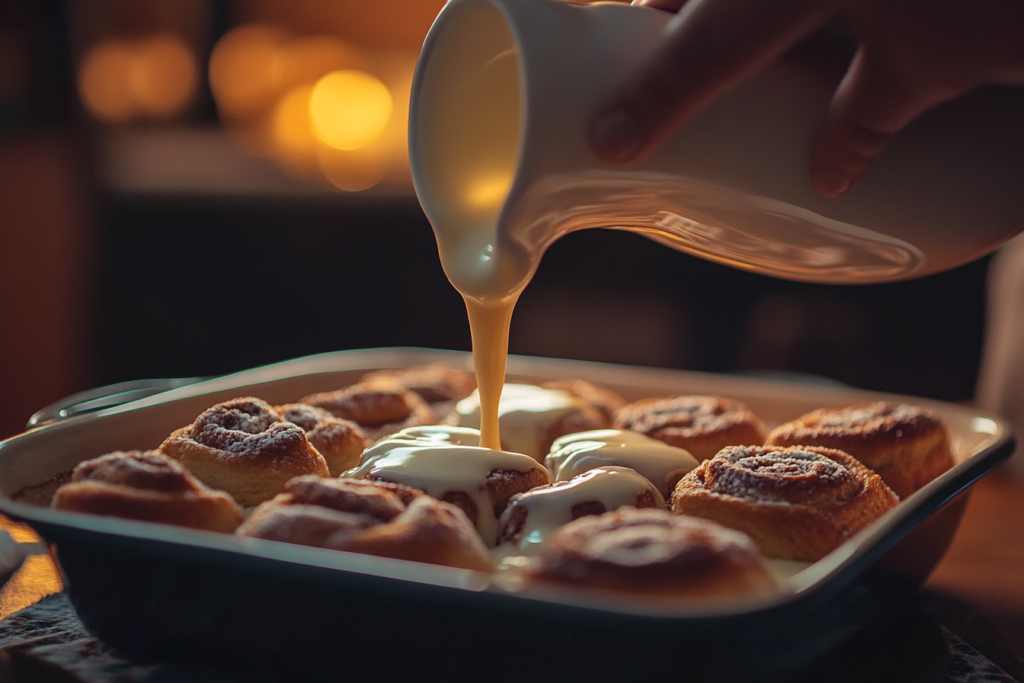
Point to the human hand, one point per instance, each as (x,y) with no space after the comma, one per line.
(912,55)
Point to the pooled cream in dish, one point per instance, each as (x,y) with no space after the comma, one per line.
(444,470)
(525,412)
(532,516)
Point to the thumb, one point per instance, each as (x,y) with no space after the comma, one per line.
(871,105)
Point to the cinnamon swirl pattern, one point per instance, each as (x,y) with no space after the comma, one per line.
(532,417)
(703,425)
(146,486)
(374,518)
(907,446)
(661,464)
(242,447)
(797,503)
(532,516)
(653,554)
(478,480)
(341,442)
(379,411)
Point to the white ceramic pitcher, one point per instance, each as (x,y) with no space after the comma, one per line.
(505,89)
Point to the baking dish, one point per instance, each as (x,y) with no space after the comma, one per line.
(153,591)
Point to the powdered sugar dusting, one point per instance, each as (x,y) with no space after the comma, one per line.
(149,470)
(247,426)
(866,417)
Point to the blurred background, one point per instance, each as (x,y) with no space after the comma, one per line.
(193,187)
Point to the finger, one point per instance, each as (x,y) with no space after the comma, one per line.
(872,103)
(708,47)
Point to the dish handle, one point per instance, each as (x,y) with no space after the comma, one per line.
(105,397)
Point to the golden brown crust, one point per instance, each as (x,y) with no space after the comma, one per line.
(146,486)
(503,484)
(796,503)
(654,554)
(381,501)
(907,446)
(703,425)
(433,383)
(605,401)
(379,519)
(341,442)
(378,411)
(242,447)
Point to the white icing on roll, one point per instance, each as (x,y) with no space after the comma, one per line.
(524,413)
(438,467)
(428,434)
(549,507)
(660,463)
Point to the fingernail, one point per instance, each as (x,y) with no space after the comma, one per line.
(618,136)
(831,181)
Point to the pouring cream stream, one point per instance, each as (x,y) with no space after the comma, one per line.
(501,165)
(482,114)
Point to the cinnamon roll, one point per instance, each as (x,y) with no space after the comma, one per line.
(438,385)
(661,464)
(478,480)
(605,401)
(530,418)
(379,411)
(797,503)
(703,425)
(373,518)
(907,445)
(146,486)
(532,516)
(341,442)
(653,554)
(242,447)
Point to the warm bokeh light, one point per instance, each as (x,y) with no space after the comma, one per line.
(244,70)
(353,171)
(305,60)
(104,82)
(121,80)
(319,105)
(294,139)
(163,76)
(395,71)
(489,191)
(350,109)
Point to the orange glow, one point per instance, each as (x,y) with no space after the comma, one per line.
(488,192)
(163,76)
(104,82)
(244,70)
(349,109)
(294,138)
(37,578)
(352,171)
(395,71)
(120,80)
(305,60)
